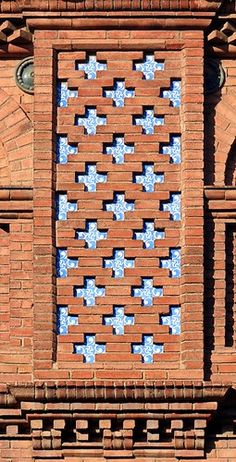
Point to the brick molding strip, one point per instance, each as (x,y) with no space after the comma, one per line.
(13,6)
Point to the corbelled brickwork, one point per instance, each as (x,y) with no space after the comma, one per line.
(117,231)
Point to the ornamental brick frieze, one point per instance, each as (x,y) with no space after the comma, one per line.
(221,36)
(141,420)
(221,39)
(15,38)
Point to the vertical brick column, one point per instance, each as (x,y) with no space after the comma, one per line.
(192,183)
(44,282)
(4,283)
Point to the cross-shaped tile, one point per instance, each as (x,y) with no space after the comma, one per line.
(147,348)
(173,263)
(63,149)
(119,206)
(90,121)
(148,179)
(63,206)
(147,292)
(91,178)
(91,66)
(173,149)
(119,93)
(63,263)
(64,320)
(89,292)
(89,349)
(174,93)
(149,235)
(149,66)
(173,320)
(173,206)
(119,320)
(148,121)
(118,263)
(91,234)
(118,149)
(63,94)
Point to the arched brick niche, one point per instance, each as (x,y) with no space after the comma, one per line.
(220,140)
(15,143)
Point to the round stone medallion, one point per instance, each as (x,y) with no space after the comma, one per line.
(214,75)
(25,75)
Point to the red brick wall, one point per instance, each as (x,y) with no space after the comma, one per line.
(35,423)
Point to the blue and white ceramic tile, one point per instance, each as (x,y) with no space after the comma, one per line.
(91,66)
(147,292)
(118,263)
(119,320)
(149,66)
(63,149)
(89,349)
(91,178)
(149,235)
(173,206)
(63,206)
(148,121)
(63,263)
(148,179)
(63,94)
(119,206)
(147,348)
(173,263)
(89,292)
(174,94)
(118,149)
(119,93)
(64,320)
(173,320)
(90,121)
(91,234)
(173,149)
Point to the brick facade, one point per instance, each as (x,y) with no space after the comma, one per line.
(117,231)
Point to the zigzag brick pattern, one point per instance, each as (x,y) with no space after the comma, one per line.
(126,215)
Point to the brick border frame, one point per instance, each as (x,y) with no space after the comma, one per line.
(47,44)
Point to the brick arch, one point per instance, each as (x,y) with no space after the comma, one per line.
(225,135)
(230,167)
(16,158)
(4,166)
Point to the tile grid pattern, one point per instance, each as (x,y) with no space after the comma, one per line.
(126,221)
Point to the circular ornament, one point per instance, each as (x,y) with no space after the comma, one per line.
(24,75)
(214,76)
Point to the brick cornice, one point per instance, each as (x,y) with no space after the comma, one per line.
(149,391)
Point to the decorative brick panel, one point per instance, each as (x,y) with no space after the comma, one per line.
(123,101)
